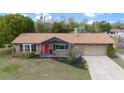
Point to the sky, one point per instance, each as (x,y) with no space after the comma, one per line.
(109,17)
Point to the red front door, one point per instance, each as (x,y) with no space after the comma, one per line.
(46,48)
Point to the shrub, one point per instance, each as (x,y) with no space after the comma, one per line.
(7,45)
(71,58)
(84,65)
(32,54)
(111,51)
(25,54)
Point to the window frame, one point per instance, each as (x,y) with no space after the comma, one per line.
(63,45)
(30,47)
(24,47)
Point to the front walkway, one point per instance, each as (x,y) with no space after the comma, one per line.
(103,68)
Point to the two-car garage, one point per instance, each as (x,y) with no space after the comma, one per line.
(95,50)
(91,50)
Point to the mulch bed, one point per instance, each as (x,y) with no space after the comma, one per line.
(65,60)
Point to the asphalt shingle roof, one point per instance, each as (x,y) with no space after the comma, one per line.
(81,38)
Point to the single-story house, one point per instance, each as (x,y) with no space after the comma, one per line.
(118,35)
(61,43)
(116,32)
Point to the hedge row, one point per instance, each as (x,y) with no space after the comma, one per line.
(25,55)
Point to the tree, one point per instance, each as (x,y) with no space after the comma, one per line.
(58,27)
(117,25)
(84,25)
(62,26)
(91,28)
(71,23)
(12,25)
(102,26)
(111,51)
(46,27)
(37,25)
(63,18)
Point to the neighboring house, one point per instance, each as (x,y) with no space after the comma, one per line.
(118,35)
(46,44)
(116,32)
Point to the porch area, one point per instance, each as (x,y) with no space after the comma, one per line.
(54,56)
(55,47)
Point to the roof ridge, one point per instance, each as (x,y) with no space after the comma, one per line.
(62,33)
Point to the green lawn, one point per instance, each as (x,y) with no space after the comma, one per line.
(37,69)
(119,61)
(120,51)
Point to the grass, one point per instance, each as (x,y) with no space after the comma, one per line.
(12,68)
(120,51)
(119,61)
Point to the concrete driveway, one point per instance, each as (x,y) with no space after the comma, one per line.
(103,68)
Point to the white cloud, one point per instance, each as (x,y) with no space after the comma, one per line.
(37,13)
(92,14)
(90,22)
(25,15)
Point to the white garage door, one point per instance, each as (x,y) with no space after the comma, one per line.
(95,50)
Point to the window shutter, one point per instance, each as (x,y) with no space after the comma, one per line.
(54,47)
(34,47)
(21,48)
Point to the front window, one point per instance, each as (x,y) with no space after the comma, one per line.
(61,46)
(29,47)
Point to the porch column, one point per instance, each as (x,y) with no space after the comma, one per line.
(30,48)
(17,47)
(69,47)
(38,48)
